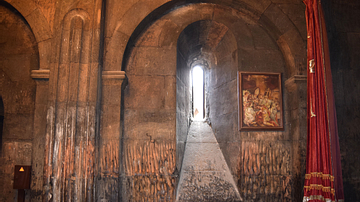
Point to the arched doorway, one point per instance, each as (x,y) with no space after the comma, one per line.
(238,43)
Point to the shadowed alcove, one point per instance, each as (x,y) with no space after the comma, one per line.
(98,96)
(158,100)
(200,44)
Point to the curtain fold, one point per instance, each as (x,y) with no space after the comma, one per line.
(323,178)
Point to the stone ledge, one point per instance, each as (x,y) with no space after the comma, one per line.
(118,75)
(292,82)
(40,74)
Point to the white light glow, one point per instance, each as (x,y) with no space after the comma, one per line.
(198,92)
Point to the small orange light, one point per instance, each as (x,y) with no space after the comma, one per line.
(21,169)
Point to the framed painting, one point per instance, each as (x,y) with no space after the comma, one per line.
(260,101)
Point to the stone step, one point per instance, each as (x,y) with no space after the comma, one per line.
(205,176)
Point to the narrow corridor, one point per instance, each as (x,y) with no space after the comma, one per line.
(205,176)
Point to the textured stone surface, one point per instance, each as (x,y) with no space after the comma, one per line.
(153,61)
(18,56)
(149,170)
(265,171)
(344,37)
(205,186)
(152,86)
(183,107)
(160,38)
(205,176)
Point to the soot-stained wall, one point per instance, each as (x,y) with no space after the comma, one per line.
(343,27)
(142,148)
(18,56)
(183,102)
(261,162)
(150,119)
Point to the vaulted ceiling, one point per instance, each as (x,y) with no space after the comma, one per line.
(201,36)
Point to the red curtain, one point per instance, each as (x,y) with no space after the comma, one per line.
(323,178)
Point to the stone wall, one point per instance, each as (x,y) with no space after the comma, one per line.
(150,119)
(262,165)
(228,44)
(343,26)
(134,134)
(18,56)
(183,105)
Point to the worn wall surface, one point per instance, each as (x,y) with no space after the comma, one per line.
(262,166)
(97,94)
(344,39)
(183,102)
(227,42)
(18,56)
(149,136)
(70,141)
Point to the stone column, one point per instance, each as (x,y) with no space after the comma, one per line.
(109,161)
(41,78)
(70,135)
(297,88)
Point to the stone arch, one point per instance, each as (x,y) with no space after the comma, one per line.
(39,26)
(287,33)
(84,26)
(150,55)
(34,17)
(290,36)
(77,13)
(19,56)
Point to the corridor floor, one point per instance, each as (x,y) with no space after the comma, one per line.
(204,175)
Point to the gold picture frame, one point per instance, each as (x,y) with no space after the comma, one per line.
(260,101)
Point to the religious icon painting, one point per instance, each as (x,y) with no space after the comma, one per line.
(260,101)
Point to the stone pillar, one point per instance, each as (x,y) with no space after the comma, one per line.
(109,161)
(69,167)
(297,88)
(41,78)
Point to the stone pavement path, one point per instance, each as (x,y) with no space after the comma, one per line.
(205,176)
